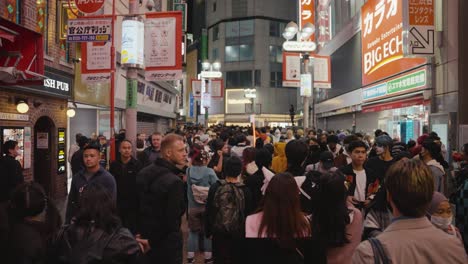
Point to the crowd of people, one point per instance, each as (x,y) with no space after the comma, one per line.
(271,195)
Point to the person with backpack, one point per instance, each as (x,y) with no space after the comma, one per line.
(95,234)
(199,180)
(229,202)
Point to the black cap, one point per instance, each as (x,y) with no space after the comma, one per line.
(327,160)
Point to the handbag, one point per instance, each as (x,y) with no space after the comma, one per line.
(200,193)
(380,257)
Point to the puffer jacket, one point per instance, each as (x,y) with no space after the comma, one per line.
(280,163)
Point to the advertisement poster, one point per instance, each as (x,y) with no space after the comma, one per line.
(322,71)
(61,150)
(291,69)
(163,52)
(132,43)
(42,140)
(96,62)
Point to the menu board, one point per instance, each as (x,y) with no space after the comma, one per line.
(61,157)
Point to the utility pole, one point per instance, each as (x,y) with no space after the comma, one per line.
(305,121)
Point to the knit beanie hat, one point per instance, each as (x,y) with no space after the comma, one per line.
(437,198)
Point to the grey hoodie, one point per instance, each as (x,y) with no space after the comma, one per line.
(438,173)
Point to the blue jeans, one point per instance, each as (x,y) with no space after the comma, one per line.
(193,242)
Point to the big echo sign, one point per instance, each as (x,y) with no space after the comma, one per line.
(89,6)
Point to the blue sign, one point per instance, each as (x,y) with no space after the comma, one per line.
(191,106)
(375,91)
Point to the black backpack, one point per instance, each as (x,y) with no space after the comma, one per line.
(229,201)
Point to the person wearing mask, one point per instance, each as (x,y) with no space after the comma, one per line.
(228,204)
(358,178)
(279,218)
(96,234)
(382,162)
(279,163)
(429,152)
(255,181)
(333,146)
(93,173)
(325,164)
(34,221)
(344,158)
(337,231)
(125,171)
(77,162)
(441,216)
(153,152)
(199,179)
(162,203)
(221,152)
(410,238)
(314,152)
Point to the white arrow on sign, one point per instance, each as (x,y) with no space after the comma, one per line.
(300,46)
(426,45)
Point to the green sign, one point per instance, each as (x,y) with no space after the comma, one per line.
(407,82)
(132,93)
(183,8)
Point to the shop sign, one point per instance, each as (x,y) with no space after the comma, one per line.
(323,21)
(89,6)
(415,80)
(10,116)
(291,69)
(392,105)
(132,43)
(61,157)
(163,52)
(182,7)
(89,30)
(420,27)
(307,14)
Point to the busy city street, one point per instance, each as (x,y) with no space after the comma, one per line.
(233,132)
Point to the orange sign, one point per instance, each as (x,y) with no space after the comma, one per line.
(421,13)
(89,6)
(307,14)
(421,28)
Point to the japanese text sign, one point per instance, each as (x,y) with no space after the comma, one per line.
(89,30)
(96,62)
(291,69)
(381,35)
(307,14)
(323,21)
(421,27)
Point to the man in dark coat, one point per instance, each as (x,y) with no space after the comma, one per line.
(153,152)
(124,171)
(161,198)
(77,162)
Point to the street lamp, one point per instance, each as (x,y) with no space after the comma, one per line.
(209,71)
(303,45)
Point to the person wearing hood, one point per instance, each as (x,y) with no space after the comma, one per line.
(441,216)
(280,163)
(429,152)
(199,175)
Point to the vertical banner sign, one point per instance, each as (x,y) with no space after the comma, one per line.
(182,7)
(382,37)
(132,43)
(95,62)
(191,105)
(323,21)
(61,157)
(307,14)
(420,27)
(306,85)
(132,86)
(291,69)
(163,52)
(322,71)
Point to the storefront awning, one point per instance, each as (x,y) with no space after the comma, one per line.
(418,100)
(21,55)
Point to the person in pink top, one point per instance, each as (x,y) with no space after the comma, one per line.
(336,224)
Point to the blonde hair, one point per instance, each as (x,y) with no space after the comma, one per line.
(411,186)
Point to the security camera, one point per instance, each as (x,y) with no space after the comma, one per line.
(150,4)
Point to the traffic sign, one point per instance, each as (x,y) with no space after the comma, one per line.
(299,46)
(89,6)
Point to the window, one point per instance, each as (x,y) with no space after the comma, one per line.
(214,6)
(12,11)
(238,79)
(214,54)
(276,79)
(235,29)
(215,32)
(276,54)
(258,78)
(276,28)
(242,52)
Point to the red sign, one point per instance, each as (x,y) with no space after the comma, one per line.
(307,14)
(323,21)
(89,6)
(393,105)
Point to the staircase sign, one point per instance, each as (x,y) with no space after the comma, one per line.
(420,28)
(89,6)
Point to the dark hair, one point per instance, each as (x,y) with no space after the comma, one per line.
(349,139)
(92,145)
(198,154)
(465,149)
(282,216)
(359,135)
(410,185)
(140,143)
(9,144)
(259,143)
(270,148)
(82,141)
(378,132)
(77,137)
(331,214)
(29,199)
(432,147)
(411,143)
(241,138)
(296,152)
(263,158)
(248,155)
(332,139)
(232,167)
(356,144)
(97,208)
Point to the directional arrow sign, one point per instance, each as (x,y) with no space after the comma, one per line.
(421,40)
(299,46)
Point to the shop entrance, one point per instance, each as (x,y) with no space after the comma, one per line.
(43,150)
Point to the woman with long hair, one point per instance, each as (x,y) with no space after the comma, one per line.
(199,179)
(221,152)
(34,220)
(248,162)
(336,225)
(279,218)
(95,233)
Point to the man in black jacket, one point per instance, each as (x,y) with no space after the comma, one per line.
(77,162)
(124,171)
(153,152)
(161,198)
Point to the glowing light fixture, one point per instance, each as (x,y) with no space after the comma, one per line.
(22,107)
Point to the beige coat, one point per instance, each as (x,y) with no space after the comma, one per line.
(414,241)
